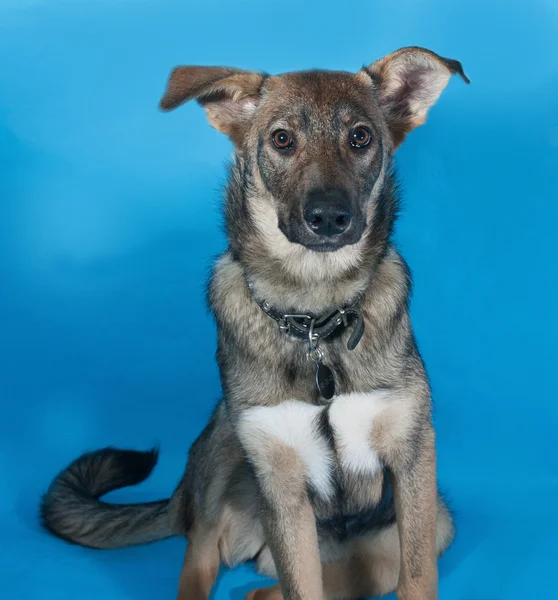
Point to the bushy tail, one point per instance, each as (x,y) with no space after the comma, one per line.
(71,508)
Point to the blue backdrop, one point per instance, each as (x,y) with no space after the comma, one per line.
(109,221)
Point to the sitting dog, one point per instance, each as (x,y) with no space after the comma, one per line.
(319,462)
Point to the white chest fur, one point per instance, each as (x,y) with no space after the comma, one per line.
(297,425)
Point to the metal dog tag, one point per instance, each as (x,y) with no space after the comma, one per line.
(325,381)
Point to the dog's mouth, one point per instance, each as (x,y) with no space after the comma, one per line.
(322,243)
(327,245)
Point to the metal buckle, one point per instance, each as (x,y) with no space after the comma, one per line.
(284,325)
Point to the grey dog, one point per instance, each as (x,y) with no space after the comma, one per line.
(319,462)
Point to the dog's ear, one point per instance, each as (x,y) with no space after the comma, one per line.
(409,83)
(229,96)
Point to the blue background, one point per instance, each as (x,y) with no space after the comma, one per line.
(109,219)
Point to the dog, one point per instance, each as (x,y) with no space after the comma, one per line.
(319,463)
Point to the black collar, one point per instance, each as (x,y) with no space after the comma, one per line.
(314,328)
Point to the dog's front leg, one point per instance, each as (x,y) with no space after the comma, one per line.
(288,518)
(415,493)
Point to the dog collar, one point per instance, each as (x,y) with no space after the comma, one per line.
(313,329)
(299,325)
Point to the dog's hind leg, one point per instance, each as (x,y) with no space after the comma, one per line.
(201,564)
(216,508)
(234,539)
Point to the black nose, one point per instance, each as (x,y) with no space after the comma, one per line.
(328,212)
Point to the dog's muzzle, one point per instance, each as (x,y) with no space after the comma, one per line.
(329,221)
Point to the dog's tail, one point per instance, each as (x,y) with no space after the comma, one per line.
(71,508)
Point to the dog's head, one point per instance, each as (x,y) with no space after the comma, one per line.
(317,144)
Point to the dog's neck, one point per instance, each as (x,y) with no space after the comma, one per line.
(306,299)
(309,282)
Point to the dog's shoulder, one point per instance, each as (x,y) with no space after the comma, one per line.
(229,297)
(227,283)
(387,297)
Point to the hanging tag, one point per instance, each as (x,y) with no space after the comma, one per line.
(325,381)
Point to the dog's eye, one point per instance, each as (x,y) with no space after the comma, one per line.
(282,139)
(360,137)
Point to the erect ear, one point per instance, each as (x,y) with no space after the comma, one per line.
(229,96)
(409,83)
